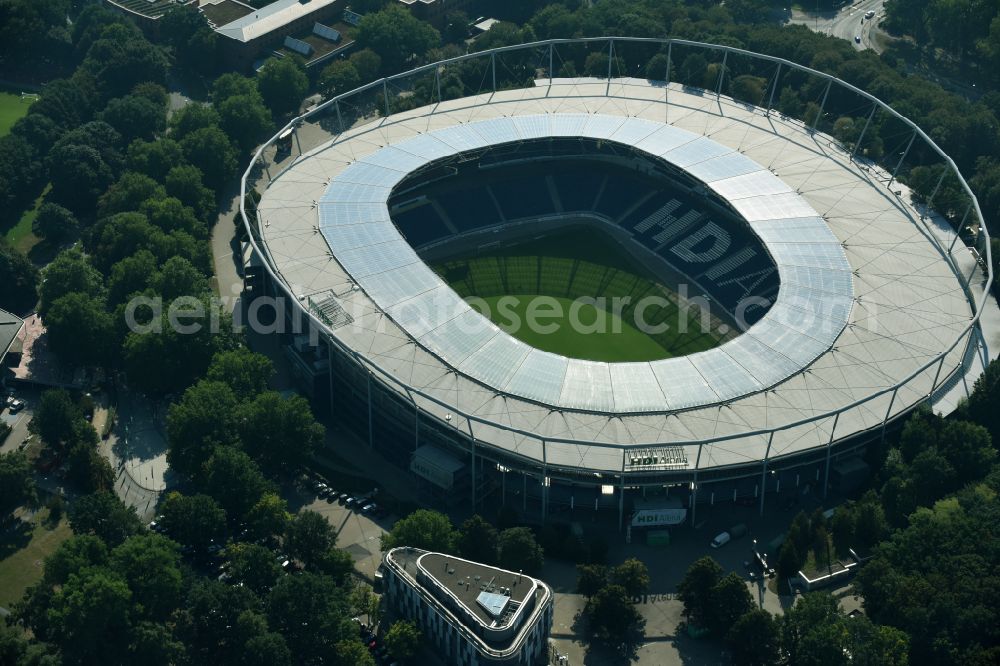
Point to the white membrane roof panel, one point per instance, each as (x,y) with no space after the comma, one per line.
(400,284)
(602,127)
(458,338)
(340,191)
(350,236)
(723,167)
(539,377)
(497,130)
(635,387)
(568,124)
(681,383)
(426,146)
(758,183)
(532,127)
(664,140)
(794,230)
(693,152)
(496,361)
(371,174)
(587,386)
(461,137)
(332,214)
(392,157)
(773,207)
(729,378)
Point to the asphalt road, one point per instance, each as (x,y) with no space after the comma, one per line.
(846,23)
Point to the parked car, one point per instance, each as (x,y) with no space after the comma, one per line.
(721,540)
(870,14)
(368,508)
(15,405)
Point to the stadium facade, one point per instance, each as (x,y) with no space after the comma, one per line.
(874,310)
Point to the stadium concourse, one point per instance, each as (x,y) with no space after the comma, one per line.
(871,292)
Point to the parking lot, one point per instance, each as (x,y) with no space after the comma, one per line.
(357,532)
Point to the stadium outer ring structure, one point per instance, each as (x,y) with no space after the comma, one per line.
(440,421)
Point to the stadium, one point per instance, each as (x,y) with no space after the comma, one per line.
(796,298)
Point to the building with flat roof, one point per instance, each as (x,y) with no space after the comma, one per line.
(266,29)
(471,613)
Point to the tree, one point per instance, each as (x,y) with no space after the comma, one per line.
(89,615)
(351,652)
(54,223)
(309,536)
(194,520)
(789,560)
(842,529)
(424,529)
(170,214)
(105,516)
(283,84)
(245,119)
(185,183)
(135,117)
(396,36)
(150,565)
(76,553)
(80,330)
(130,276)
(128,194)
(695,590)
(234,481)
(279,433)
(477,540)
(245,372)
(191,118)
(518,551)
(154,158)
(231,85)
(811,612)
(55,417)
(367,63)
(79,175)
(212,153)
(201,420)
(17,482)
(403,640)
(754,639)
(612,617)
(730,600)
(70,272)
(591,578)
(18,279)
(269,649)
(311,612)
(269,517)
(339,77)
(254,566)
(632,575)
(177,278)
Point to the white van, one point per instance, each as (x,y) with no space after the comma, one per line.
(721,540)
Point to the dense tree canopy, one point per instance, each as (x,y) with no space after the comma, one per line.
(396,36)
(424,529)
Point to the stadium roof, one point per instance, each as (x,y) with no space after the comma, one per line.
(272,17)
(848,249)
(811,310)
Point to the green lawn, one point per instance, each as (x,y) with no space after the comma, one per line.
(570,268)
(21,236)
(23,555)
(11,109)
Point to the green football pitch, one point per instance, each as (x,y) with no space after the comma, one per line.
(577,294)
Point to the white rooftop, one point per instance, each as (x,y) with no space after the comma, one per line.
(269,18)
